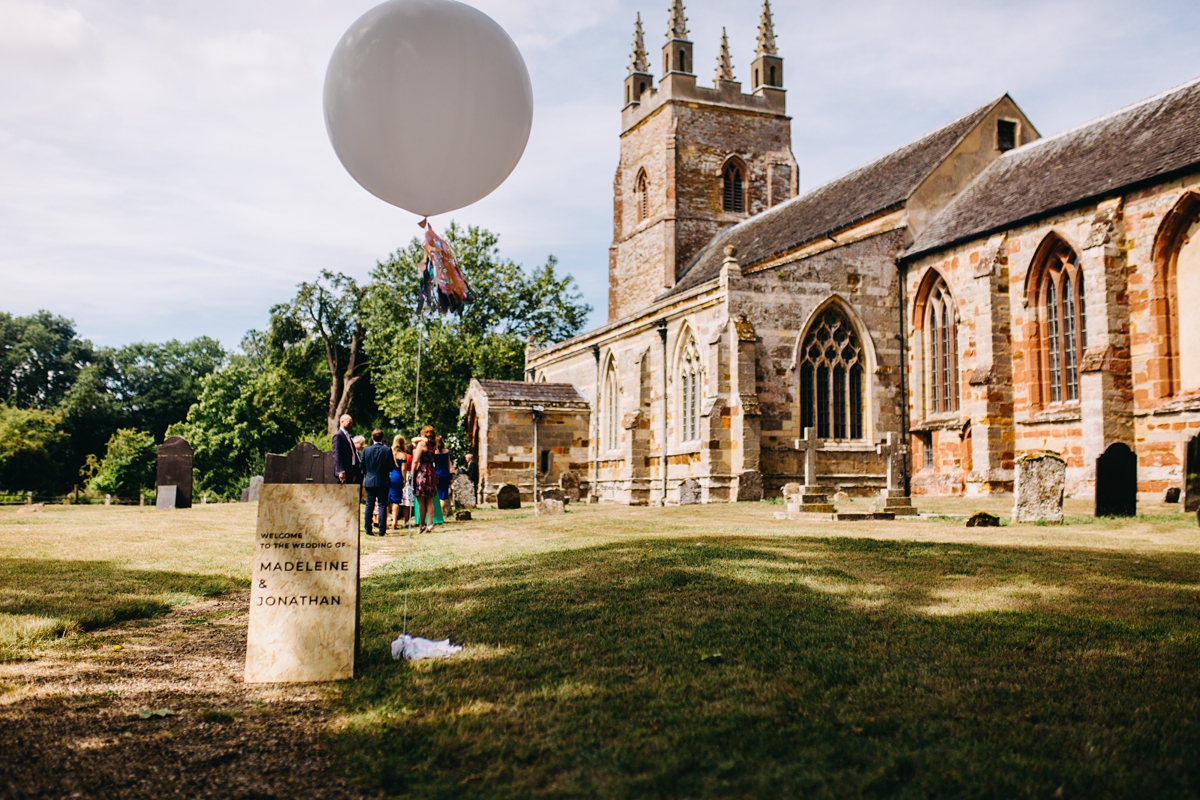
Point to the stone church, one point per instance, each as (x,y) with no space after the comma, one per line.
(979,293)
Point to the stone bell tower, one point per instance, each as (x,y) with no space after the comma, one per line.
(694,159)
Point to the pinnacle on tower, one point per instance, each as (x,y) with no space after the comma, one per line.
(638,62)
(724,62)
(677,22)
(766,32)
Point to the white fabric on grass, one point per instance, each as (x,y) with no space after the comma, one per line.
(413,648)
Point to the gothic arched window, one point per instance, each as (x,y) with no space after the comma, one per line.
(611,435)
(941,333)
(691,386)
(831,378)
(642,193)
(1177,282)
(732,189)
(1063,322)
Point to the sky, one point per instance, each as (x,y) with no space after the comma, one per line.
(165,172)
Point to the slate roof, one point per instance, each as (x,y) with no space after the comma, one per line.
(554,394)
(861,194)
(1142,143)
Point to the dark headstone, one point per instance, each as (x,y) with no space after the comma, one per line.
(509,497)
(689,492)
(167,497)
(304,464)
(175,469)
(462,516)
(982,519)
(245,498)
(1191,479)
(750,486)
(554,494)
(1172,495)
(1116,482)
(569,481)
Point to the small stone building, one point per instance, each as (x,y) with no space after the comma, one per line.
(500,418)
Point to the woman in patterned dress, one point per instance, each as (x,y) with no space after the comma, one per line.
(425,483)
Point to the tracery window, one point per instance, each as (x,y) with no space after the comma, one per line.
(691,387)
(643,196)
(831,378)
(732,189)
(1064,323)
(941,334)
(612,404)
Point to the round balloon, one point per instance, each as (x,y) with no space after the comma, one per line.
(428,104)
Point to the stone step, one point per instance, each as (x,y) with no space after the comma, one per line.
(864,516)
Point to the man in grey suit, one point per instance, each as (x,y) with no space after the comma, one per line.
(377,464)
(346,464)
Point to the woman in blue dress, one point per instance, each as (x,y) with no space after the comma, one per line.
(396,483)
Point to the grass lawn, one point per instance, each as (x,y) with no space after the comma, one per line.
(716,651)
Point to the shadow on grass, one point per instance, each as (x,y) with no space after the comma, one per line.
(42,598)
(847,668)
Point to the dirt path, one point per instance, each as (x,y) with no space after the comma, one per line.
(71,723)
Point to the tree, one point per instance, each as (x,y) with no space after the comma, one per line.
(30,440)
(486,340)
(128,465)
(329,308)
(40,357)
(156,384)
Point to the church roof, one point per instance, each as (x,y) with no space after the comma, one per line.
(861,194)
(1144,142)
(523,393)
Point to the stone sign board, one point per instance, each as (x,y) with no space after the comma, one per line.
(166,497)
(689,492)
(304,590)
(175,469)
(462,491)
(1038,495)
(509,497)
(304,464)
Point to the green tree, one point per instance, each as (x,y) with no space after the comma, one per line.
(486,340)
(128,465)
(30,445)
(40,357)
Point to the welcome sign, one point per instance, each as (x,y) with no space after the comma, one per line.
(304,595)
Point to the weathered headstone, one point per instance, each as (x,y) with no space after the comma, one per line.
(549,507)
(1038,495)
(255,488)
(304,591)
(892,497)
(1172,495)
(689,492)
(509,497)
(1116,482)
(245,496)
(462,491)
(569,482)
(554,494)
(305,463)
(750,486)
(175,469)
(982,519)
(166,497)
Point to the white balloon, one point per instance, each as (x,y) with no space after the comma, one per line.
(428,104)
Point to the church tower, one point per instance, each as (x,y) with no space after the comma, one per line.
(694,159)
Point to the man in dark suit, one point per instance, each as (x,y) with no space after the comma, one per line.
(346,464)
(377,465)
(473,473)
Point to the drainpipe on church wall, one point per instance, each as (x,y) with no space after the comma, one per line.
(593,489)
(661,325)
(901,279)
(536,413)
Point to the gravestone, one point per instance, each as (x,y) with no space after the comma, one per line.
(462,491)
(1116,482)
(255,488)
(689,492)
(554,494)
(305,463)
(893,498)
(508,498)
(750,486)
(982,519)
(1038,495)
(166,497)
(1172,495)
(550,508)
(462,515)
(1191,476)
(245,496)
(175,469)
(569,482)
(304,590)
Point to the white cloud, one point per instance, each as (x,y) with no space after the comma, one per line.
(40,30)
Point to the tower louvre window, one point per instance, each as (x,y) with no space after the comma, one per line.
(732,190)
(772,81)
(1006,135)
